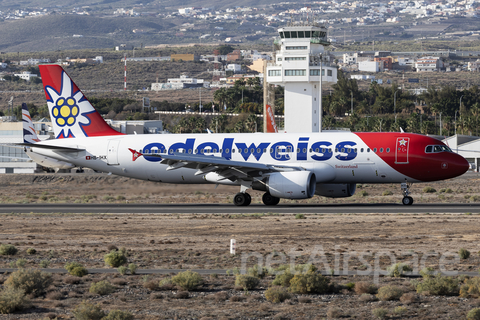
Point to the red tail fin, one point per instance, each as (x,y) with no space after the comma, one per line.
(71,113)
(271,125)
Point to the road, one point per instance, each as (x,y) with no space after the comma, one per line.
(459,208)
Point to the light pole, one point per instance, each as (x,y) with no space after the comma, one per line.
(352,102)
(395,105)
(461,103)
(456,120)
(440,123)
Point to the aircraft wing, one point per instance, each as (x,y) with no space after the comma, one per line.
(227,169)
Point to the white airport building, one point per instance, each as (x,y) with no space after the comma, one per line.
(296,67)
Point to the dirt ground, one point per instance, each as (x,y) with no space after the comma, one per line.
(333,243)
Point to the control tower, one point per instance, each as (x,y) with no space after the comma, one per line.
(300,55)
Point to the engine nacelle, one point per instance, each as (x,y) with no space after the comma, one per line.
(336,190)
(288,185)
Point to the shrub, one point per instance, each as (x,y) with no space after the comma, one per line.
(115,259)
(366,297)
(334,313)
(365,287)
(387,193)
(31,251)
(12,299)
(133,268)
(257,271)
(151,285)
(427,272)
(102,288)
(246,282)
(473,314)
(440,286)
(88,311)
(389,292)
(300,216)
(429,190)
(350,286)
(20,263)
(398,269)
(118,315)
(408,298)
(187,280)
(283,279)
(44,264)
(76,269)
(29,280)
(380,313)
(471,288)
(399,310)
(277,294)
(464,253)
(8,250)
(309,283)
(122,270)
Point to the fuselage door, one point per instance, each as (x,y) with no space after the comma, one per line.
(401,150)
(112,152)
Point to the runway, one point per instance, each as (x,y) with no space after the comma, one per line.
(348,208)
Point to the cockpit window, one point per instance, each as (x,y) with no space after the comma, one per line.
(438,148)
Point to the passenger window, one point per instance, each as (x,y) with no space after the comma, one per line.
(361,150)
(374,149)
(388,150)
(368,149)
(381,150)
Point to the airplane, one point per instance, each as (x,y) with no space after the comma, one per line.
(283,165)
(30,137)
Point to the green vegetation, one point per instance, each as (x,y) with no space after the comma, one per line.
(440,286)
(463,253)
(470,288)
(188,280)
(102,288)
(118,315)
(246,282)
(389,292)
(309,283)
(380,313)
(30,281)
(277,294)
(88,311)
(115,259)
(76,269)
(398,269)
(473,314)
(8,250)
(122,270)
(31,251)
(12,299)
(133,268)
(429,190)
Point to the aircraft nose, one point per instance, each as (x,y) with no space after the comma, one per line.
(457,165)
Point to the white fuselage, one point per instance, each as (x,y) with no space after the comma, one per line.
(334,157)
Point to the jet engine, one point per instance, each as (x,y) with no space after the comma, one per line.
(288,185)
(336,190)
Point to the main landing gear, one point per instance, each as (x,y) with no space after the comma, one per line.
(244,199)
(407,200)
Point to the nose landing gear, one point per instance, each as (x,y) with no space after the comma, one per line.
(407,200)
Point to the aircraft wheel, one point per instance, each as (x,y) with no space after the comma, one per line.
(270,200)
(407,201)
(242,199)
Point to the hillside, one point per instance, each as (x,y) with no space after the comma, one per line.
(58,30)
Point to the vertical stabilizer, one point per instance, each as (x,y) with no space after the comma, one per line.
(73,116)
(29,134)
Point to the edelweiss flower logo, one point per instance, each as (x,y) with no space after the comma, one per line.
(69,109)
(65,111)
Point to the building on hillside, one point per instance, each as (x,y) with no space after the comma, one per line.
(33,62)
(184,57)
(26,75)
(257,66)
(428,64)
(385,61)
(234,55)
(233,67)
(183,82)
(406,61)
(474,66)
(370,66)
